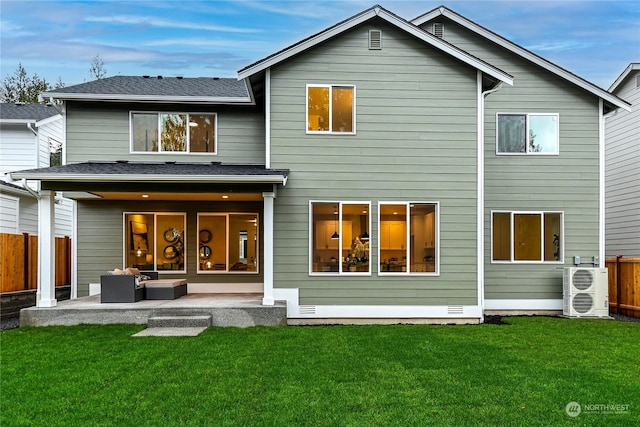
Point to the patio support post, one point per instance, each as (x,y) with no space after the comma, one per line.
(267,298)
(46,295)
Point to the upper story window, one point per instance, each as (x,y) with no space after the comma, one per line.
(331,109)
(173,133)
(520,133)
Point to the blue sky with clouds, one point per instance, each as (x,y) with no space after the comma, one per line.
(59,38)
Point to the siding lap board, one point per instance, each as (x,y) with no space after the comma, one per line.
(416,141)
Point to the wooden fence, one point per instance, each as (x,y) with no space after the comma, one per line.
(19,262)
(624,285)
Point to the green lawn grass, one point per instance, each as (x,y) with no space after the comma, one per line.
(523,373)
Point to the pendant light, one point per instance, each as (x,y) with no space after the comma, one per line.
(335,235)
(365,235)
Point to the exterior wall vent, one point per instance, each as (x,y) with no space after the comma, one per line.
(307,310)
(638,80)
(375,39)
(455,309)
(438,30)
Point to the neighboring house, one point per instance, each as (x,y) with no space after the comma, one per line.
(623,168)
(28,132)
(380,169)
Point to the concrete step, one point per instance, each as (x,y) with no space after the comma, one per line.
(202,321)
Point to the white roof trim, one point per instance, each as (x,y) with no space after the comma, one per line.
(147,98)
(248,179)
(634,66)
(549,66)
(34,121)
(48,120)
(7,189)
(392,19)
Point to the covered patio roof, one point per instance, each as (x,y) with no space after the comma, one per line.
(170,180)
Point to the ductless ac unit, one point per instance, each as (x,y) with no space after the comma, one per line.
(585,292)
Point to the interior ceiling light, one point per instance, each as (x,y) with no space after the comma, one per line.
(145,196)
(225,197)
(335,235)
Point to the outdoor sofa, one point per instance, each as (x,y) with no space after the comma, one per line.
(132,285)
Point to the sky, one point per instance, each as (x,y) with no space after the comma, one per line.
(59,39)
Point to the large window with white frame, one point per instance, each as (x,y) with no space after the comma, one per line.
(339,238)
(331,109)
(228,243)
(166,132)
(408,238)
(527,133)
(155,241)
(527,237)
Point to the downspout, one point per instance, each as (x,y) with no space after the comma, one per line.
(480,182)
(29,189)
(601,185)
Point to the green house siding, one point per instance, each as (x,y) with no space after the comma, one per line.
(101,238)
(567,182)
(416,141)
(101,132)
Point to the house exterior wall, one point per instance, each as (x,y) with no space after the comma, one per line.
(28,216)
(101,239)
(9,211)
(18,146)
(21,149)
(567,182)
(416,141)
(101,132)
(622,171)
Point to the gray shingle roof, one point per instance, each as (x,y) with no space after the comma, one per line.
(160,87)
(170,169)
(30,112)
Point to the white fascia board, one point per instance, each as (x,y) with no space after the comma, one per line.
(49,120)
(16,121)
(248,179)
(632,67)
(5,189)
(392,19)
(541,62)
(148,98)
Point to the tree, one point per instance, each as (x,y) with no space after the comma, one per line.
(19,87)
(97,70)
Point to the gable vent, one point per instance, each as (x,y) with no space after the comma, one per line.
(375,39)
(438,30)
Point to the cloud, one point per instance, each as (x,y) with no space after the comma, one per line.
(163,23)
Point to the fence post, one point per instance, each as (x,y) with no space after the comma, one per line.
(25,262)
(618,285)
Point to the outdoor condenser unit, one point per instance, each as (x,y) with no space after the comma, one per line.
(585,292)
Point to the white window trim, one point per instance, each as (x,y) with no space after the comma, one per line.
(159,114)
(329,132)
(511,250)
(527,115)
(155,235)
(227,215)
(311,228)
(409,273)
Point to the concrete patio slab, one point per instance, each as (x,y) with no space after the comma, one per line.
(240,310)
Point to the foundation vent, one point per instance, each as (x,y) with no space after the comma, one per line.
(375,39)
(307,309)
(455,309)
